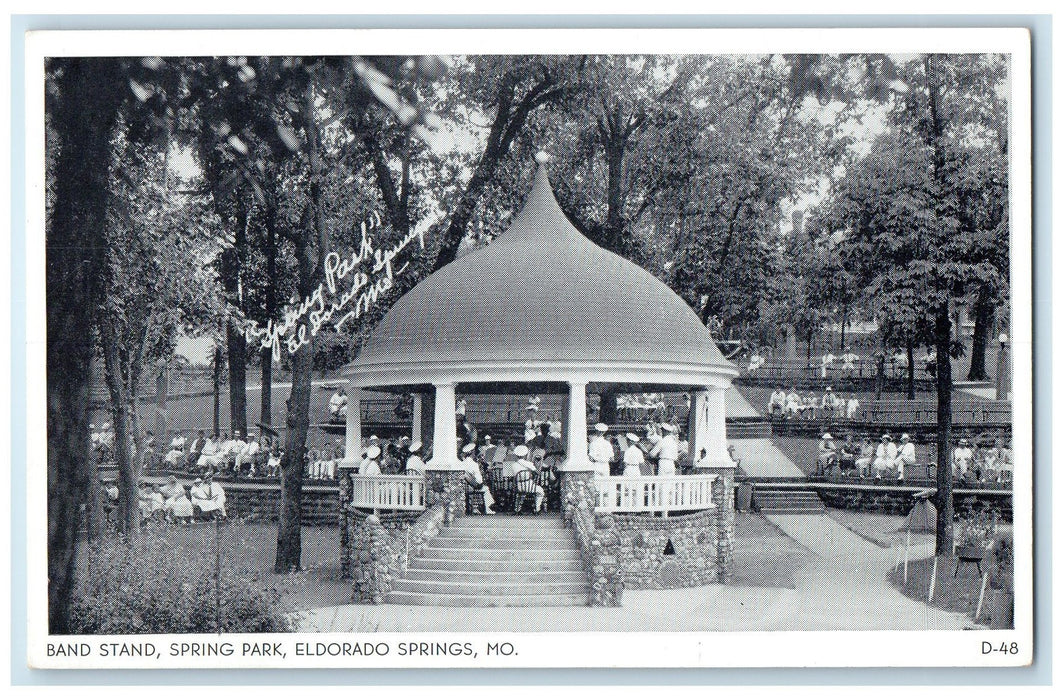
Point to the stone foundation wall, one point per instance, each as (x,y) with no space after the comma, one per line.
(900,502)
(648,561)
(321,504)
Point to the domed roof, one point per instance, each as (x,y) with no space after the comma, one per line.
(542,292)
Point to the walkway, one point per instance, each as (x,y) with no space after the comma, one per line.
(846,593)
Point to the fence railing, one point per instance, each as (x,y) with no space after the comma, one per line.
(643,494)
(388,492)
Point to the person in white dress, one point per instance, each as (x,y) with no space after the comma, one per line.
(475,476)
(885,455)
(176,454)
(794,404)
(825,363)
(370,465)
(176,506)
(531,423)
(208,456)
(851,407)
(212,498)
(905,455)
(600,451)
(666,451)
(633,456)
(962,459)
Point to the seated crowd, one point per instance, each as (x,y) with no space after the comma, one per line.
(792,405)
(169,501)
(525,465)
(891,460)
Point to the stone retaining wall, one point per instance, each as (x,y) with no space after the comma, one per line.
(900,502)
(668,552)
(321,504)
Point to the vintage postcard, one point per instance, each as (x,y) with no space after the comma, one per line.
(529,348)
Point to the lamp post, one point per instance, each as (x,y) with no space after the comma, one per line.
(1003,369)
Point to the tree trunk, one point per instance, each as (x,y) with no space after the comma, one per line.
(162,387)
(983,325)
(943,497)
(266,412)
(128,471)
(237,356)
(217,389)
(236,343)
(90,91)
(911,371)
(845,320)
(614,218)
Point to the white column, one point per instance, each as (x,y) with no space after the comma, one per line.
(445,435)
(715,429)
(577,458)
(415,433)
(352,455)
(696,424)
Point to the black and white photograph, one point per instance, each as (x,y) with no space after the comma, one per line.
(373,348)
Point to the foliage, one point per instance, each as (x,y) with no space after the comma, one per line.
(1002,573)
(977,528)
(163,583)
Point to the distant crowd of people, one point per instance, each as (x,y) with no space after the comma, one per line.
(890,460)
(848,364)
(792,405)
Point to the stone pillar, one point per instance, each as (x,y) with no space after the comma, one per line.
(352,454)
(711,424)
(445,434)
(577,487)
(446,486)
(415,433)
(723,498)
(576,457)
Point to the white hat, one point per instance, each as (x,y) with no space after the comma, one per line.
(532,407)
(373,437)
(886,436)
(601,427)
(197,481)
(520,451)
(830,389)
(828,436)
(467,450)
(668,427)
(415,446)
(905,437)
(373,452)
(632,437)
(487,437)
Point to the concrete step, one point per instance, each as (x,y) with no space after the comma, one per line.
(490,589)
(498,554)
(520,523)
(785,510)
(547,534)
(504,541)
(496,566)
(500,601)
(497,577)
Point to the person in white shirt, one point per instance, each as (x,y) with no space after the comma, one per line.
(777,402)
(849,360)
(208,456)
(633,456)
(666,451)
(962,459)
(531,424)
(793,404)
(370,465)
(600,451)
(176,506)
(211,498)
(885,455)
(825,363)
(524,465)
(414,463)
(246,456)
(828,453)
(756,361)
(335,403)
(234,447)
(905,456)
(851,406)
(177,451)
(461,407)
(829,403)
(475,477)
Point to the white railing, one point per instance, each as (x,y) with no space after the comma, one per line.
(642,494)
(388,492)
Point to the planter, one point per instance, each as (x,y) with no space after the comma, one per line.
(971,553)
(743,497)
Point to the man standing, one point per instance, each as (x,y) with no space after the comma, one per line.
(600,451)
(475,477)
(666,451)
(531,423)
(962,458)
